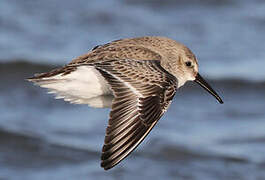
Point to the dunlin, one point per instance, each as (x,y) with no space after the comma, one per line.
(136,77)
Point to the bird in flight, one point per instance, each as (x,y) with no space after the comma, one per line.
(136,77)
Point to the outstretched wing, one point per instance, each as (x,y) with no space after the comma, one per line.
(143,91)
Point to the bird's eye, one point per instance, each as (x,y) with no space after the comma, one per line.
(188,64)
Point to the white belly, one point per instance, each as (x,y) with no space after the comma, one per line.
(83,86)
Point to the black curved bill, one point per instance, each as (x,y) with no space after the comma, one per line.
(207,87)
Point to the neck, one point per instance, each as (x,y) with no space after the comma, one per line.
(181,82)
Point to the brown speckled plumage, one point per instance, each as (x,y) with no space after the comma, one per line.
(143,48)
(143,74)
(137,107)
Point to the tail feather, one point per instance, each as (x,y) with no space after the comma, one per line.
(59,71)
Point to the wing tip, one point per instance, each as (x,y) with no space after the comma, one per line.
(106,164)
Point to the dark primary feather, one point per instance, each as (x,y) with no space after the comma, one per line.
(143,91)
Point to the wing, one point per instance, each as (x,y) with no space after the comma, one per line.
(142,91)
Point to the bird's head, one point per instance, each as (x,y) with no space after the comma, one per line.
(186,69)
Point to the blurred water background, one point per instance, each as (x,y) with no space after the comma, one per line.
(42,138)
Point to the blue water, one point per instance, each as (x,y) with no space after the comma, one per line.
(197,138)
